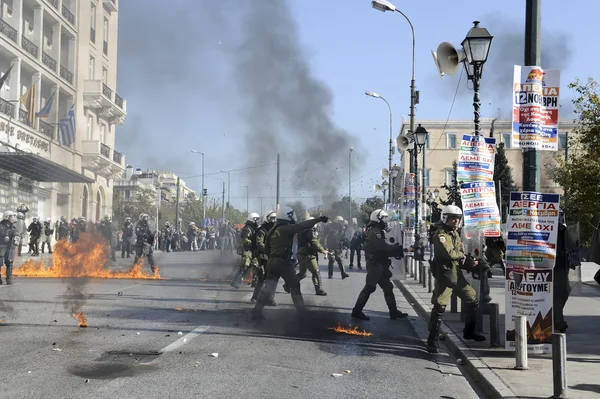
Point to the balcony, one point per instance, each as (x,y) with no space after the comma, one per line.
(24,117)
(101,159)
(66,74)
(47,129)
(48,61)
(54,3)
(30,47)
(7,30)
(110,5)
(100,97)
(68,15)
(7,108)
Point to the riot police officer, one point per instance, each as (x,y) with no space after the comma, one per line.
(144,239)
(262,256)
(48,232)
(248,249)
(62,229)
(279,243)
(8,240)
(127,237)
(35,232)
(334,239)
(449,258)
(378,253)
(167,237)
(308,248)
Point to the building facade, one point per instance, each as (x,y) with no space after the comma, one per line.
(443,146)
(65,51)
(136,180)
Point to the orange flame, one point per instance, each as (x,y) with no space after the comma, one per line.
(79,316)
(249,277)
(88,257)
(350,331)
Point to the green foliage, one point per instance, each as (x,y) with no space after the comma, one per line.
(143,201)
(503,173)
(580,176)
(452,190)
(369,206)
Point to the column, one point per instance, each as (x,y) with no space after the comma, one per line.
(56,45)
(15,85)
(38,28)
(54,116)
(71,58)
(36,79)
(17,17)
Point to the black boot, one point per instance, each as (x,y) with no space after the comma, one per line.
(318,284)
(9,274)
(237,279)
(263,297)
(298,300)
(435,324)
(470,323)
(342,270)
(357,313)
(395,314)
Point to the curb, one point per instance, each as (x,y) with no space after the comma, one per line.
(490,382)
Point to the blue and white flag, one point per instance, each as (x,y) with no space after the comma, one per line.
(45,111)
(66,128)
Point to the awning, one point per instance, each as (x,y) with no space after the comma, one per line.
(37,168)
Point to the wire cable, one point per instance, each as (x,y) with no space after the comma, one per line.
(449,113)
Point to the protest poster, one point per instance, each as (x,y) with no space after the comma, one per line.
(535,108)
(476,159)
(480,210)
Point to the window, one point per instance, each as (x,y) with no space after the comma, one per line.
(451,140)
(449,177)
(506,139)
(90,127)
(102,133)
(427,176)
(127,194)
(562,141)
(105,26)
(427,141)
(93,23)
(104,76)
(92,67)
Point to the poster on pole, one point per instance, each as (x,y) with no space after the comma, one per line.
(476,159)
(535,108)
(529,294)
(480,210)
(409,198)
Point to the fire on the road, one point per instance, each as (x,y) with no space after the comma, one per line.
(79,316)
(88,257)
(350,331)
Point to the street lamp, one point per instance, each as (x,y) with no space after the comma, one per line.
(384,186)
(228,190)
(394,171)
(350,184)
(383,5)
(420,138)
(247,199)
(203,195)
(375,95)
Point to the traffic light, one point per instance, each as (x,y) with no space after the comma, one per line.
(204,192)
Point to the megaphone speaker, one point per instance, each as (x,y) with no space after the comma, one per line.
(448,58)
(385,173)
(402,142)
(377,188)
(437,64)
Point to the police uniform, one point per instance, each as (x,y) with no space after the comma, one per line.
(378,253)
(8,239)
(279,243)
(262,257)
(248,244)
(308,248)
(144,242)
(334,240)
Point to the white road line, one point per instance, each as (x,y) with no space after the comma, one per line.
(246,298)
(185,339)
(6,285)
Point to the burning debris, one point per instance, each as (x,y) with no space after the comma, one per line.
(88,257)
(350,331)
(79,316)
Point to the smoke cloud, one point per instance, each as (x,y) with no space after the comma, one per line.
(507,50)
(286,109)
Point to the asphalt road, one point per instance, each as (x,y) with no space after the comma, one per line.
(154,338)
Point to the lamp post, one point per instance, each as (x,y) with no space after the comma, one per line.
(228,190)
(247,199)
(391,149)
(350,184)
(385,186)
(203,193)
(394,171)
(420,138)
(383,5)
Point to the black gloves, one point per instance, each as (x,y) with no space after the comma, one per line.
(323,219)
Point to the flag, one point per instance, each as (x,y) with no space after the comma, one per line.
(45,111)
(28,100)
(4,77)
(66,127)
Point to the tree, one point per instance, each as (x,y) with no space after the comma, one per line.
(143,201)
(580,175)
(368,207)
(503,173)
(452,190)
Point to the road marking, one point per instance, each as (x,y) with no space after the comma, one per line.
(246,298)
(6,285)
(185,339)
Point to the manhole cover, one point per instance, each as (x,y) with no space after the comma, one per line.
(128,357)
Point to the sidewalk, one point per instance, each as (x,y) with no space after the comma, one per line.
(493,368)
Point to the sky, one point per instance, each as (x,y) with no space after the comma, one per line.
(244,80)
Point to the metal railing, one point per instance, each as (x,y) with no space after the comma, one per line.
(6,107)
(24,117)
(66,74)
(54,3)
(106,91)
(8,30)
(105,47)
(47,129)
(118,101)
(117,157)
(30,46)
(105,150)
(48,61)
(68,15)
(92,35)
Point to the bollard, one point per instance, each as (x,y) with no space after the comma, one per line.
(429,280)
(463,311)
(521,342)
(415,268)
(453,303)
(479,319)
(494,325)
(420,266)
(424,273)
(405,265)
(559,365)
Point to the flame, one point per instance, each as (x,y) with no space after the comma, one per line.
(249,277)
(79,316)
(350,331)
(88,257)
(179,309)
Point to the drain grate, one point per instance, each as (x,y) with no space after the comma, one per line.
(126,357)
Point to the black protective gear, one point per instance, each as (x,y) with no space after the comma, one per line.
(470,324)
(435,325)
(323,219)
(361,302)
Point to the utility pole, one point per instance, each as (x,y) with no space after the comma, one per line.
(533,57)
(278,181)
(177,224)
(223,203)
